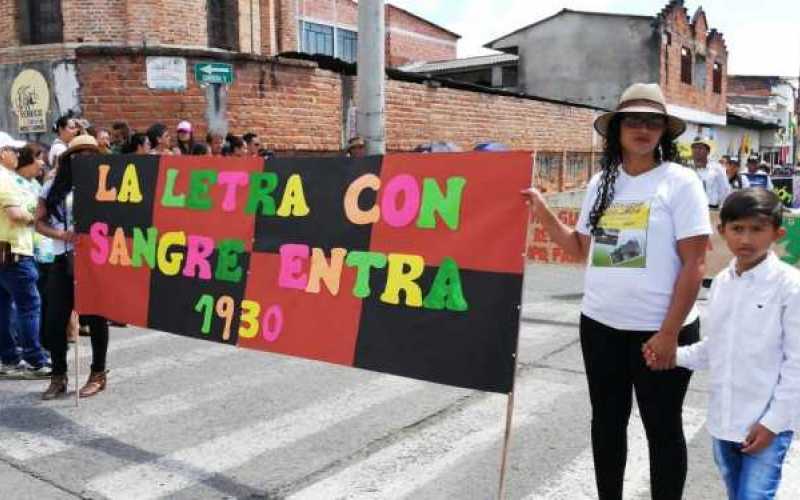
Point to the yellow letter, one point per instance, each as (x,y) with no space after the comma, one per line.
(172,265)
(331,273)
(119,250)
(399,279)
(103,193)
(294,201)
(129,191)
(351,208)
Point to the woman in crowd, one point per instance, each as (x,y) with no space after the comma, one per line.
(236,146)
(643,230)
(139,144)
(185,138)
(159,139)
(215,142)
(55,219)
(66,128)
(735,179)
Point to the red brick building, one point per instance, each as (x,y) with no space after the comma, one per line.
(140,62)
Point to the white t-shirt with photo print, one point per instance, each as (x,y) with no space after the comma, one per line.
(633,262)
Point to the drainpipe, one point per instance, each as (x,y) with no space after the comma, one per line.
(371,75)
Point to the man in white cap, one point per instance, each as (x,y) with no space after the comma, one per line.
(715,180)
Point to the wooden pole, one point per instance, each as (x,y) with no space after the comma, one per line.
(77,368)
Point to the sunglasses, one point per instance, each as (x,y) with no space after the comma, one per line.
(648,121)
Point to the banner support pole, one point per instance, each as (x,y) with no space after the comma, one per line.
(77,343)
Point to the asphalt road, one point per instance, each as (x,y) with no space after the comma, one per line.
(187,419)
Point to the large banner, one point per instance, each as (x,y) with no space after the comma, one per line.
(407,264)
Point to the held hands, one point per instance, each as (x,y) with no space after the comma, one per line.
(535,198)
(757,439)
(659,352)
(69,237)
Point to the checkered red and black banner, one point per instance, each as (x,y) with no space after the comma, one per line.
(409,264)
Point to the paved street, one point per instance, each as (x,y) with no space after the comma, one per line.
(190,420)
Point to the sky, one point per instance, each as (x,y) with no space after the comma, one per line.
(763,36)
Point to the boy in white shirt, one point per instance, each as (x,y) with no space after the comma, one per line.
(752,349)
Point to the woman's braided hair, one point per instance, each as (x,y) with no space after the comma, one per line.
(611,161)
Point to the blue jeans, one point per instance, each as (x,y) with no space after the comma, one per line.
(752,477)
(18,288)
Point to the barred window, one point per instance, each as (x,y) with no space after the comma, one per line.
(40,22)
(347,45)
(316,38)
(223,24)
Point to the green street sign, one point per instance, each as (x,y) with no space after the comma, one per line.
(213,73)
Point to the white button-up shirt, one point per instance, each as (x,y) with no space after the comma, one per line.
(715,182)
(751,349)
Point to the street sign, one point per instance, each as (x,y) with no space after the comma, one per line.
(213,73)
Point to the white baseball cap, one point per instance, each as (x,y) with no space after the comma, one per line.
(6,141)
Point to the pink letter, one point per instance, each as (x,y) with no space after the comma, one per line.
(400,216)
(99,233)
(198,250)
(231,181)
(272,324)
(293,259)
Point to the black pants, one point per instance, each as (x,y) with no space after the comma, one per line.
(61,302)
(615,369)
(41,285)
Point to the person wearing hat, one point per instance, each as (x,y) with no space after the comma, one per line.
(55,220)
(185,138)
(643,230)
(711,173)
(356,147)
(21,355)
(756,175)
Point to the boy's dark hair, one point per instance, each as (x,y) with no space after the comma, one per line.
(752,202)
(155,132)
(248,137)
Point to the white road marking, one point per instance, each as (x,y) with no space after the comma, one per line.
(183,468)
(576,481)
(403,467)
(89,426)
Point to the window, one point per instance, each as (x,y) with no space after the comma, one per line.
(347,45)
(700,71)
(686,66)
(668,37)
(717,78)
(223,24)
(316,38)
(40,22)
(510,77)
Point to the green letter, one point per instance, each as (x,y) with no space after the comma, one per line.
(434,201)
(446,289)
(199,185)
(364,261)
(228,268)
(170,199)
(262,184)
(144,247)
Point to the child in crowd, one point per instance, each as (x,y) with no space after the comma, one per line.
(751,349)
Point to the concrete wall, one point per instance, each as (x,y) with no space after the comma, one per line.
(588,59)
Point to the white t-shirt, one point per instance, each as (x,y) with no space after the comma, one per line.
(56,149)
(634,262)
(715,182)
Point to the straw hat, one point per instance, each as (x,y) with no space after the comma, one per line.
(80,143)
(642,98)
(703,141)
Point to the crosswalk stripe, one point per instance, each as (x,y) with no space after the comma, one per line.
(180,469)
(148,367)
(403,467)
(89,426)
(576,481)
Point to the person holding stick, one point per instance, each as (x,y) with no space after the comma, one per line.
(643,230)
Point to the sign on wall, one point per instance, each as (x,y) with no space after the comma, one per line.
(166,73)
(30,99)
(406,264)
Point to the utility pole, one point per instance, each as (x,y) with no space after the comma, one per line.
(371,73)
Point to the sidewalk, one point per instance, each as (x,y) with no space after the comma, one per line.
(22,486)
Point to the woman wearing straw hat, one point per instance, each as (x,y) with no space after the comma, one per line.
(643,229)
(55,220)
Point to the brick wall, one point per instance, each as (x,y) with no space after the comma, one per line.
(94,21)
(295,106)
(757,86)
(8,25)
(694,35)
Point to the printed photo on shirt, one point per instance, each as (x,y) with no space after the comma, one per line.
(621,239)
